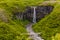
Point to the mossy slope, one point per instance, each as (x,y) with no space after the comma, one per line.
(50,25)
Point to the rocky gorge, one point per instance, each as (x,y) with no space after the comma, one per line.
(41,12)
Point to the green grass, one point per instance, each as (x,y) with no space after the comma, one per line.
(50,25)
(15,29)
(56,37)
(12,31)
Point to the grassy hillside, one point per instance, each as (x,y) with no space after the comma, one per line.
(12,31)
(49,27)
(15,29)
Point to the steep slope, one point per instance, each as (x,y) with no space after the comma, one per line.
(14,29)
(50,25)
(10,29)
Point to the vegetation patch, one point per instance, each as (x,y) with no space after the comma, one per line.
(50,25)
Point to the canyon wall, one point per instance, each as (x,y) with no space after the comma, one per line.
(41,12)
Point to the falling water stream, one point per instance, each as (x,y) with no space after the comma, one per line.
(34,15)
(32,34)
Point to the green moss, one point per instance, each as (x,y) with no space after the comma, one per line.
(15,29)
(50,25)
(12,31)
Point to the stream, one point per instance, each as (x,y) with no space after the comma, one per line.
(32,34)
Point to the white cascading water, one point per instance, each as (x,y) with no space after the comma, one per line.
(32,34)
(34,15)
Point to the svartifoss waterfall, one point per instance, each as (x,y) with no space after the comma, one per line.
(34,15)
(32,34)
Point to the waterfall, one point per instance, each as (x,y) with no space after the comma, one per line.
(34,15)
(32,34)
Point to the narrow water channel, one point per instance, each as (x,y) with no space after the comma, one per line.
(32,34)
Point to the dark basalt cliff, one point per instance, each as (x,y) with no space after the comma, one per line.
(41,12)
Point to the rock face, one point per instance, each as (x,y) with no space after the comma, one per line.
(18,15)
(28,14)
(41,12)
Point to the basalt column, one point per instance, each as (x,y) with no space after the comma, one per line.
(42,11)
(28,14)
(34,14)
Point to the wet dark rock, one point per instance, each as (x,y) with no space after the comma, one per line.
(28,13)
(18,15)
(41,12)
